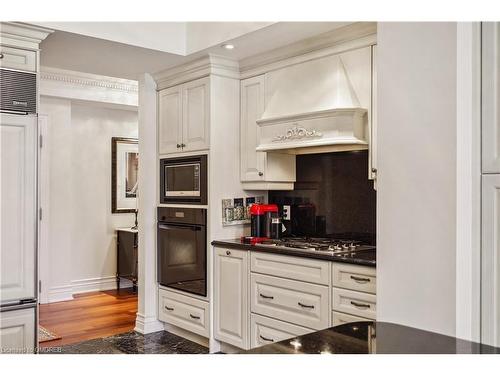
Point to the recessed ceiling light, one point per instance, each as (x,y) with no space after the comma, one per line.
(228,46)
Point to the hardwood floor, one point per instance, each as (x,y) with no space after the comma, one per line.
(89,316)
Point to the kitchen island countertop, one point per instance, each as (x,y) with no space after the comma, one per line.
(363,258)
(373,338)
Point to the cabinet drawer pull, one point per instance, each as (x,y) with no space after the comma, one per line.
(228,252)
(266,297)
(169,308)
(194,316)
(360,305)
(360,279)
(265,338)
(306,306)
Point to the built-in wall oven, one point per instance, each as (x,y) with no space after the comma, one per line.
(182,249)
(184,180)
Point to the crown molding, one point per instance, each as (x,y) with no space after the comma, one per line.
(23,35)
(89,87)
(353,36)
(202,67)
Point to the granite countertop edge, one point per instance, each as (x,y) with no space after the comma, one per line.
(238,245)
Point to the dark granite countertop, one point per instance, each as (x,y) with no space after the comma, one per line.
(374,338)
(364,258)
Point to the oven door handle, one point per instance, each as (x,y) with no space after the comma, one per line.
(185,227)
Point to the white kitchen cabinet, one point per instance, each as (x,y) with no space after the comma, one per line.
(292,301)
(265,330)
(182,311)
(355,303)
(490,258)
(339,318)
(372,173)
(231,323)
(17,331)
(260,170)
(170,118)
(18,152)
(17,58)
(490,97)
(354,277)
(184,117)
(195,116)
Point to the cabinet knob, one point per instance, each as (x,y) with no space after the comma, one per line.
(374,170)
(178,145)
(1,55)
(261,174)
(183,145)
(228,252)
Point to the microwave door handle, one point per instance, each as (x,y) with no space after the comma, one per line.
(185,227)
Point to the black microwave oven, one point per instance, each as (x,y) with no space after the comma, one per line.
(184,180)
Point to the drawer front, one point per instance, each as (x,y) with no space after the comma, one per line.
(14,58)
(339,318)
(301,269)
(184,312)
(362,279)
(265,330)
(291,301)
(355,303)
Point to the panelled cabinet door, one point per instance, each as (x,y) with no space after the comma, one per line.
(18,152)
(490,258)
(196,115)
(231,297)
(170,120)
(252,107)
(491,97)
(17,331)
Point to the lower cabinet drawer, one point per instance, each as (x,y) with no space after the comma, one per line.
(291,301)
(265,330)
(339,318)
(185,312)
(355,303)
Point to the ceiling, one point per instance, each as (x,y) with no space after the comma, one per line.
(116,53)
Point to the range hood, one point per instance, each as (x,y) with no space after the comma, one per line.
(316,106)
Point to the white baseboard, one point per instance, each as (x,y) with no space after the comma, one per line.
(148,324)
(60,293)
(95,284)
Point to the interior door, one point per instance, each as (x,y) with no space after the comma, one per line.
(18,154)
(170,118)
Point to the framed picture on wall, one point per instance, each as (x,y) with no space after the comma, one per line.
(124,174)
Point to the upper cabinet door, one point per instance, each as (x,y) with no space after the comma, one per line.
(18,150)
(252,107)
(170,120)
(491,97)
(196,115)
(372,173)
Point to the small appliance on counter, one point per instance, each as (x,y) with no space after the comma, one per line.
(261,218)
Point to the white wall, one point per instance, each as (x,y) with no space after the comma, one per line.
(82,243)
(416,209)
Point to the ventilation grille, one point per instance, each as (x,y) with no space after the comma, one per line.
(17,91)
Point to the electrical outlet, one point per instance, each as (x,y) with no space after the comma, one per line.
(287,213)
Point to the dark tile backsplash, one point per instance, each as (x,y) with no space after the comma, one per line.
(332,197)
